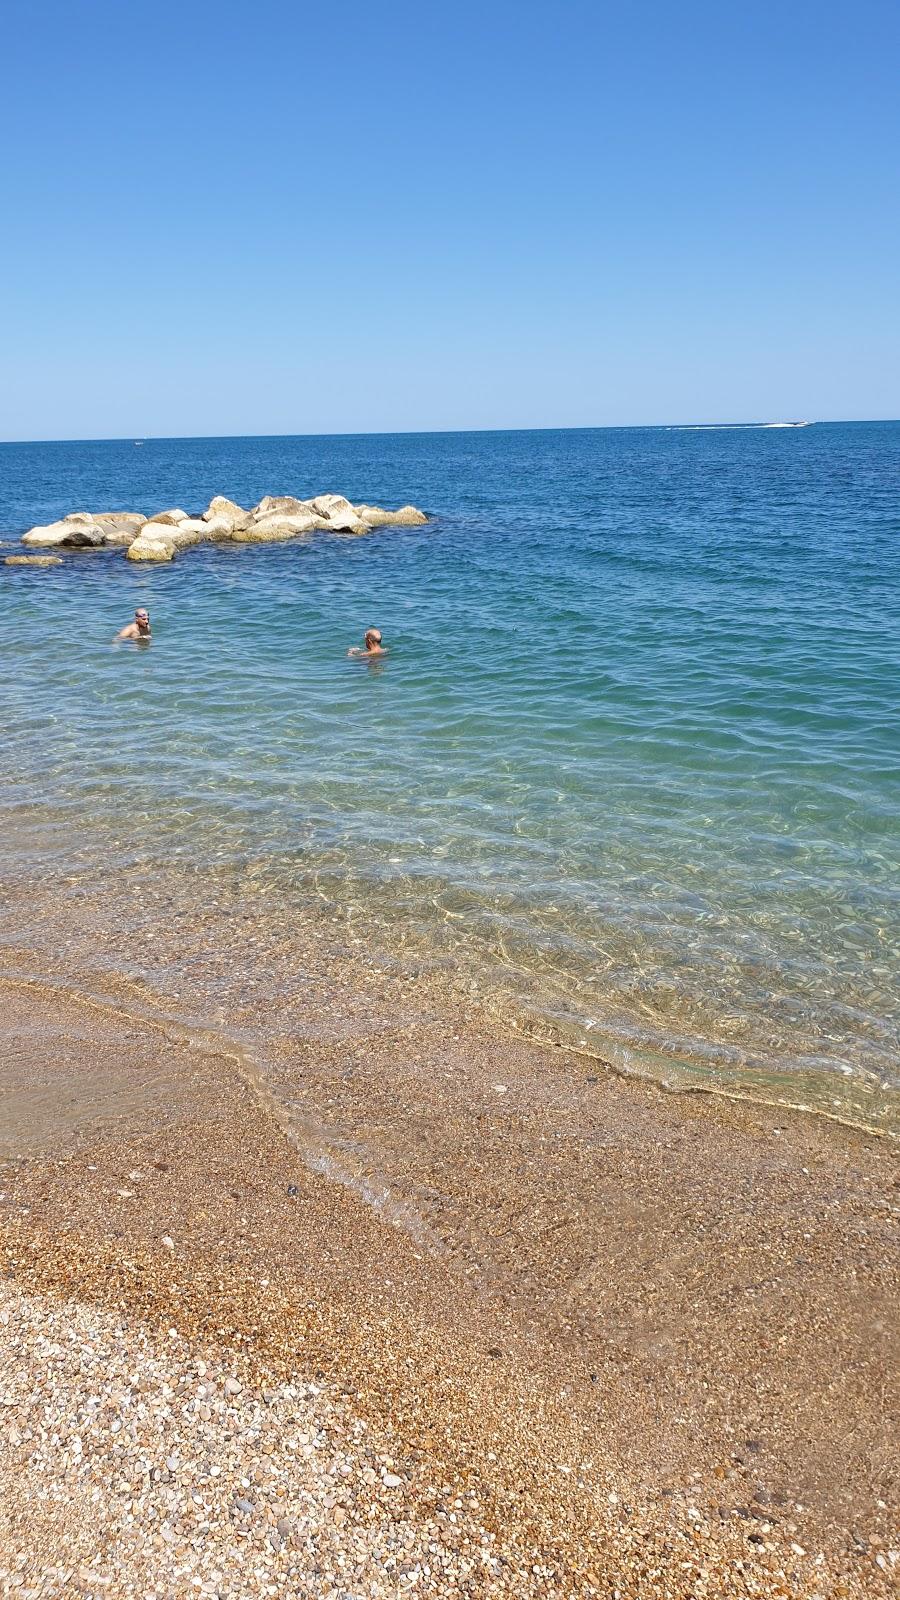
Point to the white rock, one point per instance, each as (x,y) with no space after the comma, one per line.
(222,509)
(74,531)
(328,504)
(342,521)
(278,527)
(169,519)
(340,515)
(117,535)
(120,519)
(187,534)
(406,517)
(150,547)
(220,527)
(286,505)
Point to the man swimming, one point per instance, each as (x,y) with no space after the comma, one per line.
(372,645)
(139,628)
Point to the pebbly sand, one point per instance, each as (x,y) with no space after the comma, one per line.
(501,1322)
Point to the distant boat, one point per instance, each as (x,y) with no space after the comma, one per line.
(139,442)
(785,424)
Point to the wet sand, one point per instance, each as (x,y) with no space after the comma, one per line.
(668,1310)
(653,1337)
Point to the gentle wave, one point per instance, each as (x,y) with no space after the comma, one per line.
(629,770)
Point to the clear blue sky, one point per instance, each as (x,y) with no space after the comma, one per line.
(284,218)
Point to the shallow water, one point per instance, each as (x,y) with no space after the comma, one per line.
(629,770)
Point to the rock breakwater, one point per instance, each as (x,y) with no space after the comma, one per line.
(162,534)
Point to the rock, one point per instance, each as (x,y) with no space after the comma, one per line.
(233,1386)
(151,546)
(117,535)
(33,561)
(194,531)
(220,527)
(51,533)
(328,504)
(170,519)
(278,527)
(406,517)
(120,527)
(285,504)
(340,514)
(221,509)
(187,534)
(78,530)
(120,519)
(342,521)
(275,517)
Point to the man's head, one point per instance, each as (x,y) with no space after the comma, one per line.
(373,637)
(142,618)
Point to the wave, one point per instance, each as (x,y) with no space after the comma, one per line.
(729,427)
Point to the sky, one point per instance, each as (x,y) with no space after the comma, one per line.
(367,217)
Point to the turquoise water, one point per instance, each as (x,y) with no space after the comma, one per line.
(630,768)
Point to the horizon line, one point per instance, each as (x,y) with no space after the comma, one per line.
(387,433)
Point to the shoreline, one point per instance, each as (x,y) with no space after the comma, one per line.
(518,1267)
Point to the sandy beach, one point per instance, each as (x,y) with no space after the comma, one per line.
(541,1329)
(449,818)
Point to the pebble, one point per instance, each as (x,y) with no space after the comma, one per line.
(155,1480)
(266,1491)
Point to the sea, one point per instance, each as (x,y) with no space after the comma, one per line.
(628,774)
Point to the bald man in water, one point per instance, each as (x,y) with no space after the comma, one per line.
(372,645)
(139,628)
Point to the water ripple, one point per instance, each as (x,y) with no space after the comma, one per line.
(630,767)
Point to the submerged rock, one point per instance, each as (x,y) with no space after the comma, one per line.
(406,517)
(33,561)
